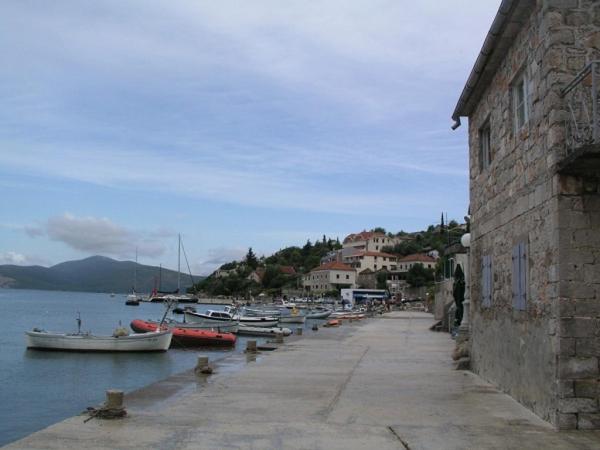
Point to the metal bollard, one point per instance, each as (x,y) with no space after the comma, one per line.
(279,338)
(315,327)
(114,399)
(299,331)
(202,362)
(251,346)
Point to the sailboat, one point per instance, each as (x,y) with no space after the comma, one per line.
(134,298)
(175,296)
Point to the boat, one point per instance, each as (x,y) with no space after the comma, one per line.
(227,316)
(186,337)
(293,317)
(332,323)
(318,314)
(221,327)
(120,341)
(262,331)
(134,298)
(175,296)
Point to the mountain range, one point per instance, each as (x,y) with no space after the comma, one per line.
(93,274)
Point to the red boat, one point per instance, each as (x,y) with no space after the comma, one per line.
(187,337)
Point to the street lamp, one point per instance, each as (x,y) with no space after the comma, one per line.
(465,240)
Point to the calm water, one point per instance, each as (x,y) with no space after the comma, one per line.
(40,388)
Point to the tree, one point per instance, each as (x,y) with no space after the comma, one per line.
(442,225)
(382,277)
(418,275)
(251,260)
(378,230)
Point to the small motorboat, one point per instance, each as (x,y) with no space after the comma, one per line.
(186,337)
(157,341)
(318,314)
(220,327)
(132,300)
(247,330)
(227,315)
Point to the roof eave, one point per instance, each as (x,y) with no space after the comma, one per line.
(509,20)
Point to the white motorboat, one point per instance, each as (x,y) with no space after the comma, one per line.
(227,315)
(86,342)
(318,314)
(298,318)
(262,331)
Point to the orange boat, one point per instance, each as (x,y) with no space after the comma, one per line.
(330,323)
(187,337)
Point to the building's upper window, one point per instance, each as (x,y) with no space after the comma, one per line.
(347,277)
(337,276)
(485,147)
(520,106)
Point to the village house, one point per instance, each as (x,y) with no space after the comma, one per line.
(370,241)
(534,152)
(374,261)
(328,277)
(406,263)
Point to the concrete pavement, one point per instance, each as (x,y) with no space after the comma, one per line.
(388,383)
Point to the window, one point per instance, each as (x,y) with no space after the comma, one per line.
(485,151)
(519,276)
(347,277)
(519,98)
(486,281)
(337,276)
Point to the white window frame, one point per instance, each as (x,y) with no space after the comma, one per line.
(520,101)
(485,146)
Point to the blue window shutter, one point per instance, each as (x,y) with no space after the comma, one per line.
(516,294)
(490,281)
(523,267)
(483,281)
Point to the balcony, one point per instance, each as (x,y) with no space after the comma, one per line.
(582,127)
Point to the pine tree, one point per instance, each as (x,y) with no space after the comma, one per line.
(251,260)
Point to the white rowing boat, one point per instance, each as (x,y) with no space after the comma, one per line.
(86,342)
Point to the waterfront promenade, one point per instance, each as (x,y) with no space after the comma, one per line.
(387,383)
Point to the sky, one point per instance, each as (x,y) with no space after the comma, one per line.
(233,123)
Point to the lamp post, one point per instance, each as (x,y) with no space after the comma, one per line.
(463,330)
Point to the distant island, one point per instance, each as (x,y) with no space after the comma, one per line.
(93,274)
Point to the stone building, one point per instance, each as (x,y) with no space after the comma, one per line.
(328,277)
(534,140)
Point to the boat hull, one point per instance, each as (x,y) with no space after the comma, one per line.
(188,337)
(318,315)
(144,342)
(292,319)
(262,331)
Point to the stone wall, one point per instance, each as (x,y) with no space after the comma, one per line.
(545,356)
(579,273)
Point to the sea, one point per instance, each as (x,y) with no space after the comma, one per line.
(39,388)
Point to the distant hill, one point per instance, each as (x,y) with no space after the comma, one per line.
(93,274)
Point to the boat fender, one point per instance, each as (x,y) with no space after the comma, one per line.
(121,331)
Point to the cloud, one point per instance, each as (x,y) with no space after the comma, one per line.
(101,235)
(19,259)
(217,257)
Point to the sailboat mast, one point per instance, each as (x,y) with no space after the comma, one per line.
(179,264)
(135,272)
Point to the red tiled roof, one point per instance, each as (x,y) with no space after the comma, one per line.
(288,270)
(382,254)
(362,236)
(418,257)
(333,266)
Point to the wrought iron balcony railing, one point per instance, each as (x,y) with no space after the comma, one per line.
(582,102)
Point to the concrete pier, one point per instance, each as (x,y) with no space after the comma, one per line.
(386,383)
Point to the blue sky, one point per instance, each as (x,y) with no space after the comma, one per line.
(234,123)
